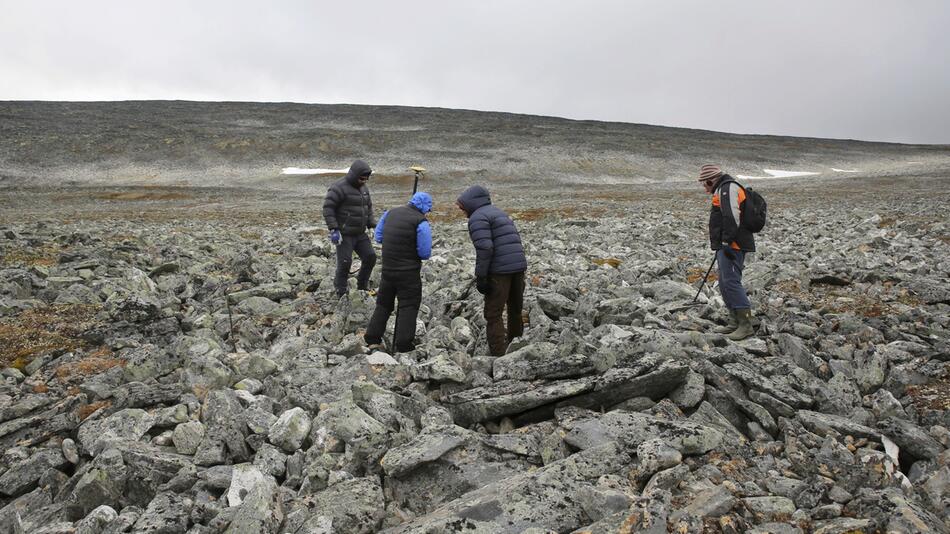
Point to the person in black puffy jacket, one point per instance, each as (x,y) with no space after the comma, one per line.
(500,265)
(348,212)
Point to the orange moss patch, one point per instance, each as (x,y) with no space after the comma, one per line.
(933,396)
(887,222)
(86,410)
(694,274)
(41,331)
(613,262)
(42,256)
(92,364)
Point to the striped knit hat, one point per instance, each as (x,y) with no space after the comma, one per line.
(709,172)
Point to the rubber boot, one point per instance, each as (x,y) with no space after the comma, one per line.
(744,330)
(730,326)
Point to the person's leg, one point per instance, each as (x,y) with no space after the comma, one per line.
(385,300)
(730,280)
(515,305)
(344,259)
(738,298)
(409,294)
(364,249)
(495,302)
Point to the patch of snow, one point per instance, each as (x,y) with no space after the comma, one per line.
(788,174)
(298,170)
(773,173)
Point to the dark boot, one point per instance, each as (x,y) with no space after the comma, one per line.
(744,330)
(730,326)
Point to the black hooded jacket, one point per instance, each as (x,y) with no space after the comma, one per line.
(725,215)
(347,206)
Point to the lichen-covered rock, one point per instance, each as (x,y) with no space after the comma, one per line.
(290,430)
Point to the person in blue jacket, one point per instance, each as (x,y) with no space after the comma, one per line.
(407,240)
(500,265)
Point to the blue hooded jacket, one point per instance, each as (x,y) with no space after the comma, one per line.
(498,247)
(423,202)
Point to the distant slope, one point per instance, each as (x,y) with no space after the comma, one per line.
(204,143)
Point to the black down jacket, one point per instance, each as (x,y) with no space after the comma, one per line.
(348,206)
(498,248)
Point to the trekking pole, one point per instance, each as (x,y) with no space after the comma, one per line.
(420,172)
(701,284)
(227,302)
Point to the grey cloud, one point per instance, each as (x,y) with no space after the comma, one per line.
(866,70)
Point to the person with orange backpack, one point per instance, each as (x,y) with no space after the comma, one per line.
(732,239)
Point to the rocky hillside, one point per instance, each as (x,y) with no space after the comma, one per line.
(176,363)
(214,144)
(172,358)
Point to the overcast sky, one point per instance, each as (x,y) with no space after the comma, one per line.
(862,69)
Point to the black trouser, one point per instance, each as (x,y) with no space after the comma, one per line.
(407,287)
(507,290)
(344,259)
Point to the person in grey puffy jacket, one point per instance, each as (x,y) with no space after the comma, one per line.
(500,264)
(348,212)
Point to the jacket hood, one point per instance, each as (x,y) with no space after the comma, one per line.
(473,198)
(422,202)
(357,169)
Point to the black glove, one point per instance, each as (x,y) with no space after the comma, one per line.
(727,250)
(483,284)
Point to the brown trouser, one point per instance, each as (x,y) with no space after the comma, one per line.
(506,290)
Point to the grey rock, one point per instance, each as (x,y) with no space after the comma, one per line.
(555,305)
(713,502)
(540,360)
(251,385)
(270,460)
(290,430)
(70,452)
(130,424)
(355,505)
(428,446)
(821,424)
(103,484)
(667,479)
(96,521)
(274,292)
(632,429)
(440,368)
(765,509)
(691,392)
(258,509)
(23,475)
(842,525)
(884,405)
(655,455)
(911,438)
(188,436)
(148,361)
(167,513)
(775,528)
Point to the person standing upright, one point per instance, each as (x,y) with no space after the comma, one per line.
(732,242)
(348,212)
(500,265)
(407,240)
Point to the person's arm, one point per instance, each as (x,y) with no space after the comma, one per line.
(423,240)
(371,219)
(479,229)
(378,233)
(330,203)
(729,205)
